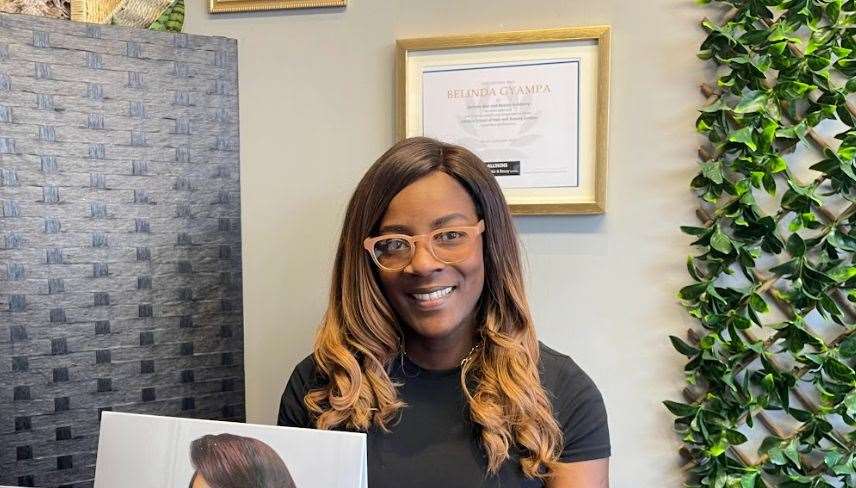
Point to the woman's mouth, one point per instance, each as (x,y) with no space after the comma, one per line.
(432,299)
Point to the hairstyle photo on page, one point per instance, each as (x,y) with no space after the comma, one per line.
(145,451)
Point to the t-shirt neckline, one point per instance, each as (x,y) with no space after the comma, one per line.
(411,369)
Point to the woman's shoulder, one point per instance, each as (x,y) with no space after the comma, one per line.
(292,409)
(557,366)
(562,377)
(306,374)
(577,405)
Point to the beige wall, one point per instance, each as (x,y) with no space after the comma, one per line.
(316,102)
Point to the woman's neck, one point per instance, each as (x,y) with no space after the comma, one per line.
(439,353)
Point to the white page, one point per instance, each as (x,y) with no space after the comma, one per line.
(145,451)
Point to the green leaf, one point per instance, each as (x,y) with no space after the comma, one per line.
(716,106)
(693,231)
(841,241)
(693,291)
(757,303)
(818,39)
(768,443)
(691,269)
(842,273)
(796,224)
(833,11)
(791,452)
(796,245)
(776,164)
(786,268)
(850,403)
(847,348)
(741,322)
(798,131)
(718,448)
(800,415)
(838,371)
(713,171)
(846,152)
(680,409)
(720,241)
(769,184)
(791,90)
(748,480)
(744,136)
(735,438)
(682,347)
(832,457)
(777,456)
(751,102)
(768,382)
(829,306)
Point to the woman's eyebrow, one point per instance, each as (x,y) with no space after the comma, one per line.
(439,222)
(435,224)
(394,228)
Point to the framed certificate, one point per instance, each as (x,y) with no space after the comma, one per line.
(223,6)
(534,105)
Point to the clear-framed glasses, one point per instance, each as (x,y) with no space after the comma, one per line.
(450,245)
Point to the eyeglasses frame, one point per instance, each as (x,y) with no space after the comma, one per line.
(370,242)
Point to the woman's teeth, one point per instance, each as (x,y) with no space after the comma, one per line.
(434,295)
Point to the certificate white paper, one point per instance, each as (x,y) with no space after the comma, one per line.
(521,118)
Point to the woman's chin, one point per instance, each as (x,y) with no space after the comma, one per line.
(434,329)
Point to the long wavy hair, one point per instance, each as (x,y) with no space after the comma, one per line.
(360,334)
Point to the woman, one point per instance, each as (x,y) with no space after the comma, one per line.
(232,461)
(428,345)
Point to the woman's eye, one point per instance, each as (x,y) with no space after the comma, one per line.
(451,235)
(392,245)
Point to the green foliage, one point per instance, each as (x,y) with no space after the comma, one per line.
(172,19)
(784,67)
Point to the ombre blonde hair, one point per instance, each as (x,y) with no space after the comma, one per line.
(360,334)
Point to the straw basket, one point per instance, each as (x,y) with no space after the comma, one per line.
(132,13)
(95,11)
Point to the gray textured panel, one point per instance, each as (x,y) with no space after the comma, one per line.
(120,277)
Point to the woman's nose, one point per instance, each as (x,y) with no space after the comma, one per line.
(423,261)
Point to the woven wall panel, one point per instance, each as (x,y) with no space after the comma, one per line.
(120,258)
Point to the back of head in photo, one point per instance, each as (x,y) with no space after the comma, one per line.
(232,461)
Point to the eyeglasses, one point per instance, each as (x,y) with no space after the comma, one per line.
(450,245)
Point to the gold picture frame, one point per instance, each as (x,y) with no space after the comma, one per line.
(539,201)
(226,6)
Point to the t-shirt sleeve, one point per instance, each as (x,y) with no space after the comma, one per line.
(292,410)
(579,408)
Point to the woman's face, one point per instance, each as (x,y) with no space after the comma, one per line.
(433,202)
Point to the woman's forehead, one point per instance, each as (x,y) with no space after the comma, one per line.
(428,199)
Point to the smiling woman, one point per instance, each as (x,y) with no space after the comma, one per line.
(428,345)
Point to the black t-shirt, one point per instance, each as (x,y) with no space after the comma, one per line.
(435,444)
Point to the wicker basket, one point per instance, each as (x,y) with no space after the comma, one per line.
(95,11)
(139,13)
(132,13)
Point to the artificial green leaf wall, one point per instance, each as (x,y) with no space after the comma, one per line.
(771,395)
